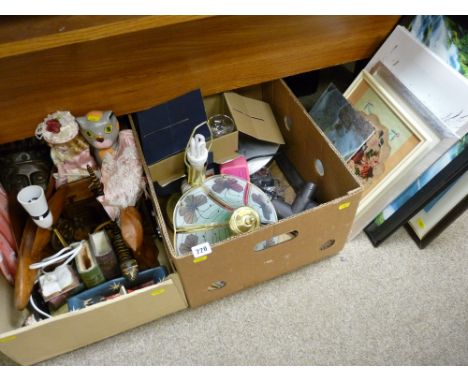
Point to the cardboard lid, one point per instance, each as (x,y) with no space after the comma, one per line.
(254,118)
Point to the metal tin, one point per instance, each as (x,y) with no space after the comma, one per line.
(244,219)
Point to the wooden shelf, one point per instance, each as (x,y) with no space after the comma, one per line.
(127,63)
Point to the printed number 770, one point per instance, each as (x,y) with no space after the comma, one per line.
(202,249)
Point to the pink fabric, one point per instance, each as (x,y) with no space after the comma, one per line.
(237,167)
(5,271)
(8,257)
(75,167)
(5,223)
(121,176)
(8,260)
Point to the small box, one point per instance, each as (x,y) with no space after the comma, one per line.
(164,131)
(72,330)
(251,117)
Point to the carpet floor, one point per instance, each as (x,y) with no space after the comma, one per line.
(392,305)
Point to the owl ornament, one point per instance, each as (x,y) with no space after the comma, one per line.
(101,131)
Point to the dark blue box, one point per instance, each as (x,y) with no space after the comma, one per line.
(165,129)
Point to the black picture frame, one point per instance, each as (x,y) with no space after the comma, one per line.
(440,227)
(377,234)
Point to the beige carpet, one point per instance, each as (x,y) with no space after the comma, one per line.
(395,305)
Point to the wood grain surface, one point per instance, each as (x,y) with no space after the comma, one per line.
(137,68)
(25,34)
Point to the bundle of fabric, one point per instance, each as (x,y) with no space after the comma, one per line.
(8,259)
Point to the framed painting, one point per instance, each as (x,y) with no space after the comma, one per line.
(396,154)
(447,169)
(440,226)
(438,86)
(434,211)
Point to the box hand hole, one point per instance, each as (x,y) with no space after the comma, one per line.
(275,240)
(288,123)
(327,244)
(217,285)
(319,167)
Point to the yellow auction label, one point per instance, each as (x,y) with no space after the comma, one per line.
(200,259)
(7,339)
(421,223)
(158,292)
(344,205)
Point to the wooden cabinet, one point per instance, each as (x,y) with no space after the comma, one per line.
(127,63)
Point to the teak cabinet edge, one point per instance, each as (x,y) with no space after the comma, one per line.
(139,68)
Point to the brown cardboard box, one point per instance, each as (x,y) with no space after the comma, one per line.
(251,117)
(69,331)
(224,148)
(314,234)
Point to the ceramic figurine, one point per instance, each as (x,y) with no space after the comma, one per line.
(101,131)
(69,151)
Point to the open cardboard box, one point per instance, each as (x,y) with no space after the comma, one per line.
(69,331)
(314,234)
(183,114)
(251,117)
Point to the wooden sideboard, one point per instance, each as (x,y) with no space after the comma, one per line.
(128,63)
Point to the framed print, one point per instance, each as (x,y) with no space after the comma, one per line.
(434,211)
(438,86)
(440,227)
(397,153)
(447,169)
(445,38)
(347,129)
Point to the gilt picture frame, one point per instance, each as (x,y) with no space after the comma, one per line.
(397,154)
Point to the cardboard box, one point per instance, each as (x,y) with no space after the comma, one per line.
(251,117)
(69,331)
(313,235)
(164,131)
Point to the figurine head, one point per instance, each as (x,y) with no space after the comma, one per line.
(100,128)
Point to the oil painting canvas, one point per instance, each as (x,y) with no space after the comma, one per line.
(346,128)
